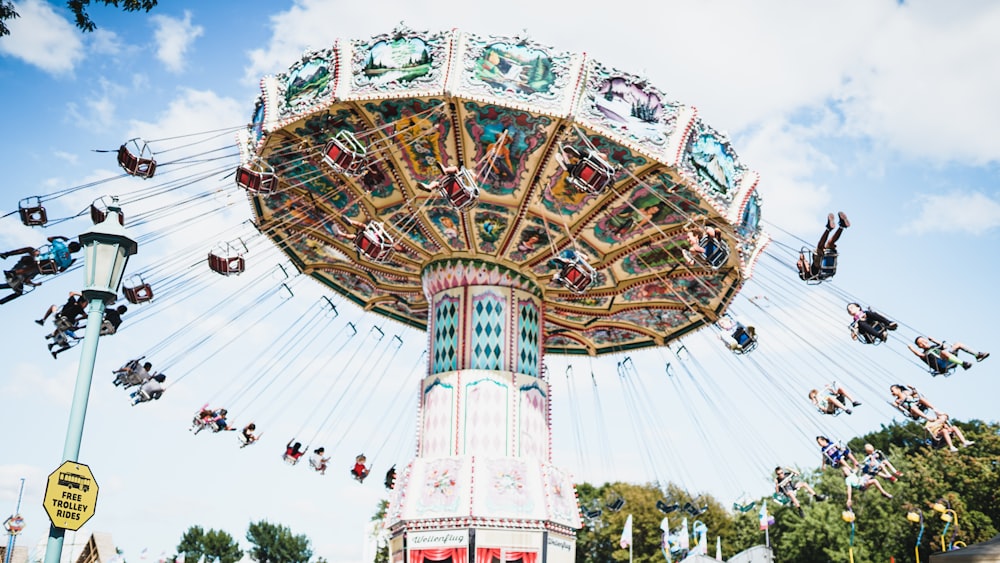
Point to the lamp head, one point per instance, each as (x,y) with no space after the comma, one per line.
(106,250)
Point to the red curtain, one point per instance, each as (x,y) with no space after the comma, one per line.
(453,554)
(488,554)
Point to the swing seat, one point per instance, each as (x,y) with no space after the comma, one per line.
(591,173)
(782,499)
(827,265)
(139,163)
(32,212)
(460,188)
(716,251)
(99,212)
(107,329)
(345,154)
(866,338)
(373,242)
(577,275)
(137,291)
(592,513)
(615,504)
(127,377)
(141,396)
(665,508)
(694,510)
(197,424)
(937,370)
(226,265)
(746,342)
(65,336)
(48,266)
(257,177)
(743,508)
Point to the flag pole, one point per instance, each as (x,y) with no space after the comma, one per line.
(630,552)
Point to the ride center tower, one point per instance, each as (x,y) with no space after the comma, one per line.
(512,200)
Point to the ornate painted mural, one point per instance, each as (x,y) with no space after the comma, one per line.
(504,108)
(307,83)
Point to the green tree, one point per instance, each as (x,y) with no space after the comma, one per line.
(79,9)
(196,542)
(383,551)
(274,543)
(968,481)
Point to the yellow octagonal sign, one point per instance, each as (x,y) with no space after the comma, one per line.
(70,495)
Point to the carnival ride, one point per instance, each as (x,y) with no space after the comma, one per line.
(510,200)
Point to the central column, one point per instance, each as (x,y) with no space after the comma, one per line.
(484,325)
(482,488)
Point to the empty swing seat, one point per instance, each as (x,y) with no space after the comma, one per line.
(373,242)
(615,504)
(577,275)
(138,293)
(665,508)
(226,265)
(460,188)
(345,153)
(257,177)
(591,174)
(98,213)
(31,212)
(141,163)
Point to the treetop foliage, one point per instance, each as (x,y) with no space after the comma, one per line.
(79,9)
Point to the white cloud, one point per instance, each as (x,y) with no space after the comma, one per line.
(915,77)
(972,213)
(926,84)
(71,158)
(98,109)
(791,196)
(104,42)
(42,38)
(192,111)
(173,38)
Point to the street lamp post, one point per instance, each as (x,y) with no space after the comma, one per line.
(106,250)
(947,514)
(917,517)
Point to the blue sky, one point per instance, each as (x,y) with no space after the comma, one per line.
(884,110)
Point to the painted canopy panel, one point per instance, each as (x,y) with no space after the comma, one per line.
(510,111)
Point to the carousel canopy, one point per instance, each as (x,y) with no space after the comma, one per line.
(506,154)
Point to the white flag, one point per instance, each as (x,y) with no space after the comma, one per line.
(665,542)
(626,540)
(685,539)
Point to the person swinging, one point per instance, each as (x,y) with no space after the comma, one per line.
(822,265)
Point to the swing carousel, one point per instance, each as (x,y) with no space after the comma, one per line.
(511,200)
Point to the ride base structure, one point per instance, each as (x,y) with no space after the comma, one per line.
(560,229)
